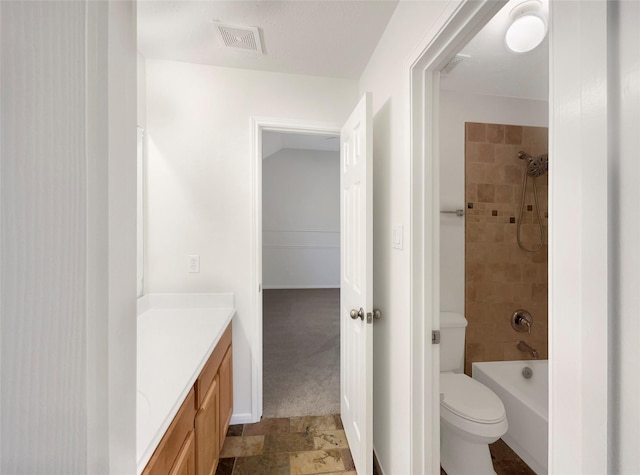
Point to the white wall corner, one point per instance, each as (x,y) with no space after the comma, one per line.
(121,221)
(578,237)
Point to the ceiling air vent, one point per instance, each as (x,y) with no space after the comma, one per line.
(240,37)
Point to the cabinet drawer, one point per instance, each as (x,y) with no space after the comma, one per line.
(167,451)
(210,369)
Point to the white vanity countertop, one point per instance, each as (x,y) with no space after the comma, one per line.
(176,335)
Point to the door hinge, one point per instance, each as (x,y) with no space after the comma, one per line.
(435,337)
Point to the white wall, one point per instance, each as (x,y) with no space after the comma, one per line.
(43,223)
(141,115)
(120,181)
(199,179)
(141,98)
(456,108)
(384,77)
(301,219)
(588,275)
(68,237)
(624,377)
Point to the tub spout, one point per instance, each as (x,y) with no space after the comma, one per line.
(522,346)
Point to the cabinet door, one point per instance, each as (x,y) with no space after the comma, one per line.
(186,462)
(170,447)
(208,430)
(226,394)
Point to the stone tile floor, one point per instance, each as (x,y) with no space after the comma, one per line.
(505,461)
(313,445)
(287,446)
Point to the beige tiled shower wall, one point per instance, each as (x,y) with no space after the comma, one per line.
(500,277)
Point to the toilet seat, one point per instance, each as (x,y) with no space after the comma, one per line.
(470,406)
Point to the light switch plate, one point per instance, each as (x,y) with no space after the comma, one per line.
(397,239)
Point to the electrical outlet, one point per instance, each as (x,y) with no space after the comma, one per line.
(194,263)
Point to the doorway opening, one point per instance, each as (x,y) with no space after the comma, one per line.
(356,276)
(300,274)
(493,134)
(427,69)
(280,228)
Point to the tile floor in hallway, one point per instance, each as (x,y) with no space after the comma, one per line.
(313,445)
(287,446)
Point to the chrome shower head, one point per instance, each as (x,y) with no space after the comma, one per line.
(536,166)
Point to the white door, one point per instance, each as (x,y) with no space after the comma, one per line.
(356,284)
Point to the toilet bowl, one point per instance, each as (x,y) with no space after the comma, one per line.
(471,415)
(471,418)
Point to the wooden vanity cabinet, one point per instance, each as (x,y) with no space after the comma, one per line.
(208,431)
(192,444)
(226,394)
(172,446)
(185,463)
(211,423)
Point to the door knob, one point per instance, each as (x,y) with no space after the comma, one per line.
(357,313)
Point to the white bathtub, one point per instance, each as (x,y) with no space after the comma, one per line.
(527,404)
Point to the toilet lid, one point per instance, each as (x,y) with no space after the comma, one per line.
(470,399)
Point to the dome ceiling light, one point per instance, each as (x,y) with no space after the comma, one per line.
(527,26)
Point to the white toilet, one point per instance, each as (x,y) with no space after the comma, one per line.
(471,415)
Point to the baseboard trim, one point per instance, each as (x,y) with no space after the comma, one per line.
(377,469)
(296,287)
(246,418)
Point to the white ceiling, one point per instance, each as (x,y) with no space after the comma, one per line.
(319,38)
(333,38)
(273,142)
(494,70)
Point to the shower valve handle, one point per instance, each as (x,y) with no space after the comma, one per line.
(521,321)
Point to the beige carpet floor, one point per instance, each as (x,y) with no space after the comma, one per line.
(301,352)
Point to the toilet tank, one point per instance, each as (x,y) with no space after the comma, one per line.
(452,330)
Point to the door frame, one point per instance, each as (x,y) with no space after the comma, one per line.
(459,22)
(258,126)
(578,116)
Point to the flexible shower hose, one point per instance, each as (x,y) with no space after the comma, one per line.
(535,197)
